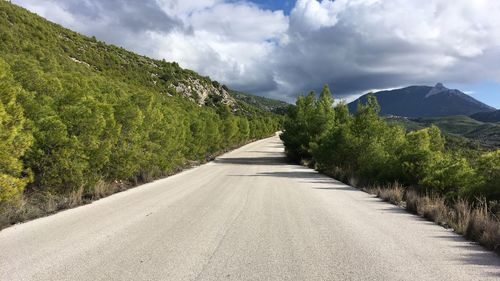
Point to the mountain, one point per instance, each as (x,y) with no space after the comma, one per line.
(275,106)
(492,116)
(425,101)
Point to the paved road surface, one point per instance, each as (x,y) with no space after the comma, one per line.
(246,216)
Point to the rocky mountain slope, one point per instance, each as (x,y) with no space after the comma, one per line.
(275,106)
(425,101)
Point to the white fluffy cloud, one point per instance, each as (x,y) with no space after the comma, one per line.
(363,44)
(354,45)
(313,15)
(230,42)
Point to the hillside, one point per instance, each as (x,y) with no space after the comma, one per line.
(425,101)
(80,119)
(493,116)
(31,35)
(275,106)
(469,132)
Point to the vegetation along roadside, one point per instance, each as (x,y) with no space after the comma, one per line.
(450,186)
(80,119)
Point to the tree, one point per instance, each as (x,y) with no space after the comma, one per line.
(325,114)
(15,139)
(489,176)
(230,126)
(243,130)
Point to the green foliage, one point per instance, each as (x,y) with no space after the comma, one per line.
(307,123)
(489,173)
(461,131)
(267,104)
(76,112)
(365,146)
(15,138)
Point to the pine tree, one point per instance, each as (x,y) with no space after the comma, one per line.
(15,139)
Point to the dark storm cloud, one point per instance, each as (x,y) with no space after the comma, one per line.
(131,15)
(121,22)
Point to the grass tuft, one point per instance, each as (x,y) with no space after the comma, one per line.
(393,193)
(434,208)
(484,227)
(462,218)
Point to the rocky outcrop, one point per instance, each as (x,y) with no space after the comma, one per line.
(204,93)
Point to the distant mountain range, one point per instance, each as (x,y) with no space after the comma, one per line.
(426,101)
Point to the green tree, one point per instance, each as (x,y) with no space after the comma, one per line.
(298,128)
(243,130)
(489,176)
(230,127)
(15,139)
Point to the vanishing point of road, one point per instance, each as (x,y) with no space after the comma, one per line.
(248,215)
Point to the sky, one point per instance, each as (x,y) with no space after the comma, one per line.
(283,48)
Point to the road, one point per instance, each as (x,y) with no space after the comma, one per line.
(246,216)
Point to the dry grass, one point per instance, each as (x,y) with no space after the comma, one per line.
(462,217)
(434,208)
(477,224)
(103,189)
(75,197)
(343,175)
(412,201)
(31,206)
(431,207)
(393,193)
(484,228)
(353,181)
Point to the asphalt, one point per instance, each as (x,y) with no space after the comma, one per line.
(248,215)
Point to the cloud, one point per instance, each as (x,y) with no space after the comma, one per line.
(230,42)
(313,15)
(365,44)
(353,45)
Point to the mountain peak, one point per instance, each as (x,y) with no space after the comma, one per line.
(425,101)
(439,88)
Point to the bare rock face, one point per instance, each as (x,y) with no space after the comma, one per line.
(204,93)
